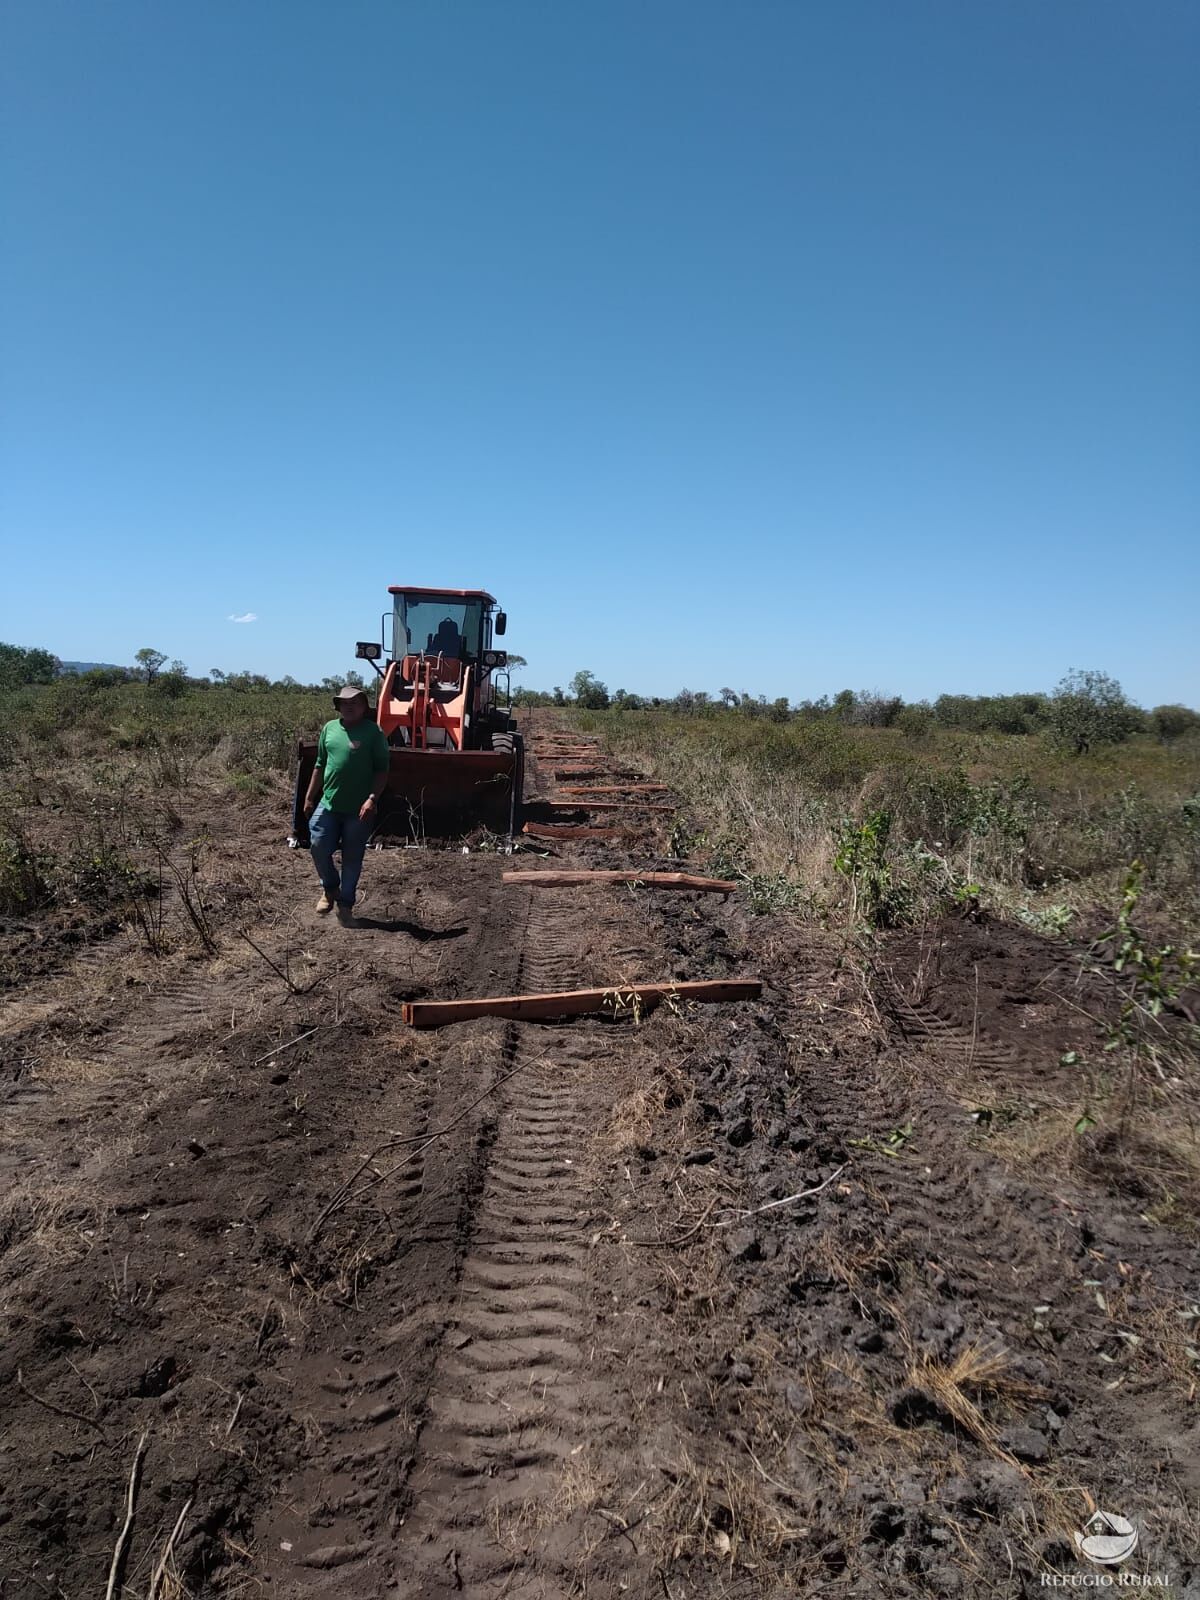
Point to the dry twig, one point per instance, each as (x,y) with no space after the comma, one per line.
(773,1205)
(62,1411)
(168,1550)
(118,1560)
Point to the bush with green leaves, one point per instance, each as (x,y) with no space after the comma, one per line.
(1089,709)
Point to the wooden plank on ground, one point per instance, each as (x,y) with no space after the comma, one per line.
(602,805)
(542,830)
(581,772)
(618,788)
(577,1002)
(656,880)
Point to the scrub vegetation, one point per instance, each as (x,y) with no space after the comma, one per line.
(1033,807)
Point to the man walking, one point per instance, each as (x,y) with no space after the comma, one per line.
(342,803)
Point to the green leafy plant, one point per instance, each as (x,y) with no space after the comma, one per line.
(24,872)
(1148,975)
(860,856)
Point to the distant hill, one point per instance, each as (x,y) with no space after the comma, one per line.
(92,666)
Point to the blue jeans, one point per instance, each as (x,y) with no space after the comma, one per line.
(339,830)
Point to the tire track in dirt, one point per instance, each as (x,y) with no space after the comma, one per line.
(505,1414)
(359,1391)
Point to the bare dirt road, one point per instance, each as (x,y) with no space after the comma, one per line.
(748,1299)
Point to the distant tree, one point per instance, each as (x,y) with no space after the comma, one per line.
(558,698)
(103,677)
(172,682)
(1090,708)
(875,710)
(1172,722)
(915,720)
(216,674)
(516,661)
(843,705)
(150,662)
(588,692)
(19,666)
(728,697)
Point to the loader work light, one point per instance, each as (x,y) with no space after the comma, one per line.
(495,658)
(368,650)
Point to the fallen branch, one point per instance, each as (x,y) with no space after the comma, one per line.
(275,967)
(773,1205)
(577,1002)
(135,1477)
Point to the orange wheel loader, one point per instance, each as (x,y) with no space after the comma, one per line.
(457,758)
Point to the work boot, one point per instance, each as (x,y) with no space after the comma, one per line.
(325,903)
(346,916)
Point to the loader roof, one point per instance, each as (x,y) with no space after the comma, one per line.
(459,594)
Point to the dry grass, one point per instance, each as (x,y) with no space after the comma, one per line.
(1139,1141)
(959,1385)
(46,1225)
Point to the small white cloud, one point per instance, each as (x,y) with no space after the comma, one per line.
(248,616)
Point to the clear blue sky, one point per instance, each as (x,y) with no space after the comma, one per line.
(783,346)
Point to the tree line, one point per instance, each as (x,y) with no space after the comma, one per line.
(168,677)
(1086,708)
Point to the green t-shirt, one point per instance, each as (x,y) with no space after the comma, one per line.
(351,757)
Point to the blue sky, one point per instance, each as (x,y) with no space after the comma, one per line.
(783,346)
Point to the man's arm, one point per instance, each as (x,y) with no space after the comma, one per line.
(317,782)
(383,770)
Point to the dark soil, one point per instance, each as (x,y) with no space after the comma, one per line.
(497,1309)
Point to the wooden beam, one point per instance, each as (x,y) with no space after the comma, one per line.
(618,788)
(541,830)
(656,880)
(582,772)
(577,1002)
(602,805)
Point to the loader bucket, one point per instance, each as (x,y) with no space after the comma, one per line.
(432,792)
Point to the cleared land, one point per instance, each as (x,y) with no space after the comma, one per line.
(876,1284)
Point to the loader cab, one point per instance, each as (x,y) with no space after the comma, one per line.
(453,623)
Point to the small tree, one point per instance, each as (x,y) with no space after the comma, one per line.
(19,666)
(1090,708)
(1172,722)
(915,720)
(150,662)
(589,693)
